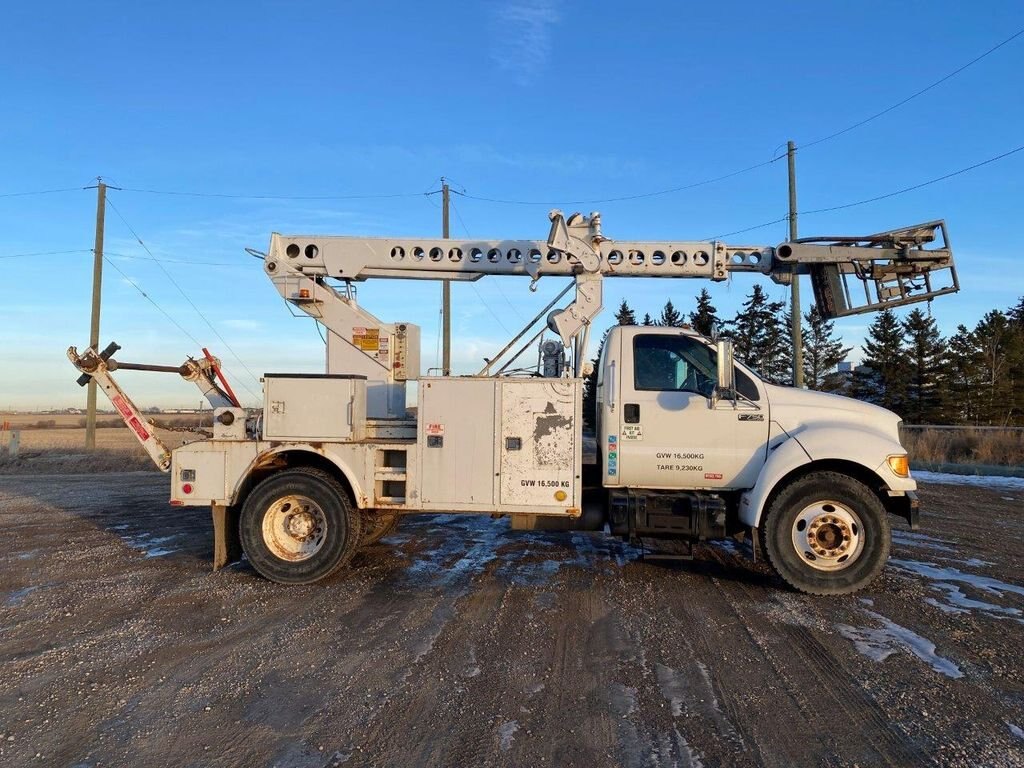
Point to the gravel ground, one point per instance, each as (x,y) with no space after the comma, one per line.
(459,642)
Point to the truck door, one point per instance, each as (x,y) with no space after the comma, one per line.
(670,436)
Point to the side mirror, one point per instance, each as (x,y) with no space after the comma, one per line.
(726,387)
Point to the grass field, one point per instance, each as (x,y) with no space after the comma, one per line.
(61,447)
(966,446)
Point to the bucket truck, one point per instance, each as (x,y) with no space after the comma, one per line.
(692,445)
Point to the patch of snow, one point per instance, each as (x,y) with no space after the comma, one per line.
(944,607)
(867,601)
(939,573)
(689,757)
(623,700)
(922,541)
(985,481)
(507,733)
(1015,730)
(961,603)
(672,686)
(150,544)
(879,644)
(17,597)
(946,579)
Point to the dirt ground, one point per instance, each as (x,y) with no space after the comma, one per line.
(459,642)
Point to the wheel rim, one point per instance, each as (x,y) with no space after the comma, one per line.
(294,528)
(828,536)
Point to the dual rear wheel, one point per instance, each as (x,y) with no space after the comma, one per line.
(300,525)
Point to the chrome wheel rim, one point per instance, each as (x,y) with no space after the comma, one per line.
(828,536)
(294,528)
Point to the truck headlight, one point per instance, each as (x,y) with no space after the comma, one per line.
(899,465)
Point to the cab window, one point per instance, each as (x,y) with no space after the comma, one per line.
(680,363)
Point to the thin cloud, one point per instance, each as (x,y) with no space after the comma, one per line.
(525,28)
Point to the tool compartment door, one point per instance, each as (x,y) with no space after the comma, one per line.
(538,444)
(456,425)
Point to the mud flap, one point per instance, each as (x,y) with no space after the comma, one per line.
(227,547)
(907,506)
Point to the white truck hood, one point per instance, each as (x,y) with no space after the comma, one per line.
(794,409)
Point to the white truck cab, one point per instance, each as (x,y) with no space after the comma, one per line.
(670,420)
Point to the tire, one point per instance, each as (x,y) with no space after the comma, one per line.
(299,526)
(826,534)
(377,525)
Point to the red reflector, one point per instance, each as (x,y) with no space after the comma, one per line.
(186,488)
(176,503)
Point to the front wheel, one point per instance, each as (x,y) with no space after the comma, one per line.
(298,526)
(826,534)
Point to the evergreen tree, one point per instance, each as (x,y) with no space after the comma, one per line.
(998,343)
(1016,372)
(704,318)
(670,316)
(823,352)
(882,378)
(760,337)
(590,389)
(926,358)
(647,319)
(625,315)
(962,378)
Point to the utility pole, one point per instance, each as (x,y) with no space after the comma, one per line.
(446,293)
(94,328)
(794,286)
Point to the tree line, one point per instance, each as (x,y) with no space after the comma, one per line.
(974,377)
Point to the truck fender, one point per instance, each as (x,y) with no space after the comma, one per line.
(830,442)
(306,455)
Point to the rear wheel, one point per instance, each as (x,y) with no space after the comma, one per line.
(376,526)
(826,534)
(298,526)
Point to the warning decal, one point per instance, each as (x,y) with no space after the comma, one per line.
(368,340)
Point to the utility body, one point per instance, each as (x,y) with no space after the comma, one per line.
(690,444)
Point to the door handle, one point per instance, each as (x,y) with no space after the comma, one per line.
(631,413)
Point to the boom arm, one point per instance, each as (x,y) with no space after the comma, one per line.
(895,264)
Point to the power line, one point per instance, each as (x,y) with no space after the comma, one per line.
(917,186)
(42,192)
(887,195)
(913,96)
(178,193)
(749,229)
(477,292)
(749,168)
(150,299)
(175,261)
(191,303)
(44,253)
(623,198)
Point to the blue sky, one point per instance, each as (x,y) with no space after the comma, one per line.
(515,99)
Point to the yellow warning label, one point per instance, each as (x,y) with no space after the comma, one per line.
(368,340)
